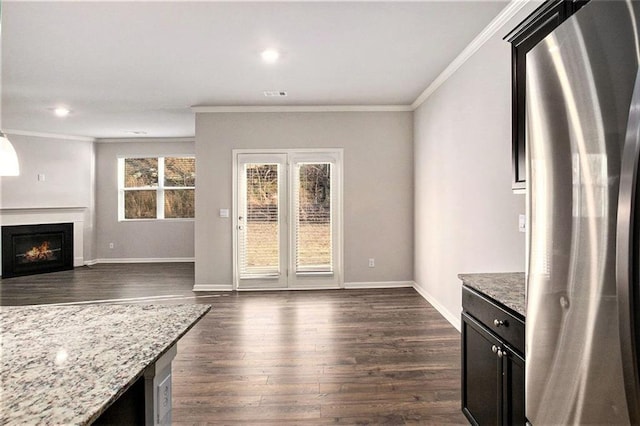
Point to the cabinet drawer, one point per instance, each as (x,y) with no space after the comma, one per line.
(498,320)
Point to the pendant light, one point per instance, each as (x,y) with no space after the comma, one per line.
(9,165)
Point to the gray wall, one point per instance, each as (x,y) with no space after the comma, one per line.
(378,185)
(466,213)
(137,240)
(68,168)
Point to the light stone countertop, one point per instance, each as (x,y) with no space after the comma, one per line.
(507,288)
(67,364)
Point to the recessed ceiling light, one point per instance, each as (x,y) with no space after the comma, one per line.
(61,111)
(136,132)
(270,56)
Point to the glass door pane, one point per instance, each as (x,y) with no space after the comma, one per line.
(315,211)
(262,238)
(260,248)
(313,218)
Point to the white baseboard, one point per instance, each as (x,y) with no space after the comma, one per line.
(352,285)
(311,287)
(212,287)
(145,260)
(453,319)
(78,261)
(90,262)
(378,284)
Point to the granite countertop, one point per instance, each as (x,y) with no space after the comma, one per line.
(67,364)
(507,288)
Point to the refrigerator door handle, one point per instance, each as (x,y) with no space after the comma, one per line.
(626,253)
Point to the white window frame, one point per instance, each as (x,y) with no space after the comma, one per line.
(160,188)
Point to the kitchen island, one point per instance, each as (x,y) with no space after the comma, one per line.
(72,364)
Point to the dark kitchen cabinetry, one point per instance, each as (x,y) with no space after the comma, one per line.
(492,362)
(523,38)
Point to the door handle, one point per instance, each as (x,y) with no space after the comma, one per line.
(625,254)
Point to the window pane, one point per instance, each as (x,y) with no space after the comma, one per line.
(260,249)
(179,171)
(139,204)
(313,221)
(179,203)
(140,172)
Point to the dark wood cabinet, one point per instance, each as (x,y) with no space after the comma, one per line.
(513,385)
(493,366)
(523,38)
(481,371)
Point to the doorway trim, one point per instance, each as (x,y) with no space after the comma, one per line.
(338,154)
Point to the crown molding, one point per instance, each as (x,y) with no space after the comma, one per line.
(490,30)
(48,135)
(146,139)
(304,108)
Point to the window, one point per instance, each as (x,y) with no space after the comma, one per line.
(156,188)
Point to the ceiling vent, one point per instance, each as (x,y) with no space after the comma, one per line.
(275,93)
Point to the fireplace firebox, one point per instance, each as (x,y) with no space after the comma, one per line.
(36,249)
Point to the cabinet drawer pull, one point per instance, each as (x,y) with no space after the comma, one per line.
(498,351)
(500,323)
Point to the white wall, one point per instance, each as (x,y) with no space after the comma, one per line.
(466,215)
(69,179)
(378,185)
(145,240)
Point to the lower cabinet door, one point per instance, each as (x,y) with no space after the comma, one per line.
(481,375)
(513,385)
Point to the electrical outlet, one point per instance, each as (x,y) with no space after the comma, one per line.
(164,400)
(372,262)
(111,245)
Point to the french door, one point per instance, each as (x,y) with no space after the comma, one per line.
(287,219)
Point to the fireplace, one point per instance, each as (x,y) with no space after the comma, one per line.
(35,249)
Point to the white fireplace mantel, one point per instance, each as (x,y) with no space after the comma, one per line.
(42,215)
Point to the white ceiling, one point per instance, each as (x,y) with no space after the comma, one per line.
(140,66)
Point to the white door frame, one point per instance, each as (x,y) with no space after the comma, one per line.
(301,280)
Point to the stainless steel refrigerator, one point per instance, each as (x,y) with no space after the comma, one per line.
(583,294)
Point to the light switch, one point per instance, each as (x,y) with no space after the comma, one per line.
(40,177)
(224,212)
(522,223)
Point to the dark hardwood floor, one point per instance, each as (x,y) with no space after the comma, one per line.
(290,357)
(99,282)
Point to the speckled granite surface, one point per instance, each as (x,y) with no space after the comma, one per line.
(507,288)
(66,364)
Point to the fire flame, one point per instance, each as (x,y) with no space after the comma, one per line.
(39,253)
